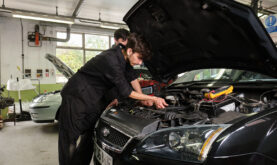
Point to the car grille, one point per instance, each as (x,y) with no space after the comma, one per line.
(114,138)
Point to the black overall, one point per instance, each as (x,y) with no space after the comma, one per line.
(83,102)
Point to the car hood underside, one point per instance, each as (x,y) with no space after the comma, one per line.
(195,34)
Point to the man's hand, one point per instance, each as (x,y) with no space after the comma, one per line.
(147,103)
(160,103)
(113,103)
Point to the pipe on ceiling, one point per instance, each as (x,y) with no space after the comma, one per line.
(62,16)
(77,9)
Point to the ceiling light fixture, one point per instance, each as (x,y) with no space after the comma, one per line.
(46,18)
(105,25)
(109,26)
(87,21)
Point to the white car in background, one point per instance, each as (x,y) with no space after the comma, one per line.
(44,107)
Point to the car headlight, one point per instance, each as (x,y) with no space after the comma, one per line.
(185,143)
(38,99)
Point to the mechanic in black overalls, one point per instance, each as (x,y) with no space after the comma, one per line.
(83,101)
(120,37)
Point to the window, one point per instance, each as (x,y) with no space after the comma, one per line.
(112,41)
(91,54)
(72,58)
(75,40)
(226,75)
(97,42)
(80,49)
(207,74)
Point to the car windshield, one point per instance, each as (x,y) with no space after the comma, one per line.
(231,75)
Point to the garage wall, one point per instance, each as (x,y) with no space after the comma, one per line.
(11,50)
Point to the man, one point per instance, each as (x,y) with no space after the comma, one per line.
(83,101)
(120,37)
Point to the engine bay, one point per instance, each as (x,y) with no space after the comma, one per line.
(189,106)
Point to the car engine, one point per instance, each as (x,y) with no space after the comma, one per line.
(190,107)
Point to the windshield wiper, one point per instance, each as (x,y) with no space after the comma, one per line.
(257,81)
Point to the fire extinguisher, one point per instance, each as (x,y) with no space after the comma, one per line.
(37,35)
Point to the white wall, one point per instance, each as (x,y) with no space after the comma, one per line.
(11,50)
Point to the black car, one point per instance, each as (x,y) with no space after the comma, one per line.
(224,112)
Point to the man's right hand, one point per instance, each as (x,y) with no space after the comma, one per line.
(160,103)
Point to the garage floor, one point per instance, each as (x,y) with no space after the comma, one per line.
(29,143)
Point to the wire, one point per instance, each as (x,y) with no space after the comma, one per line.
(197,106)
(273,90)
(248,104)
(235,98)
(22,49)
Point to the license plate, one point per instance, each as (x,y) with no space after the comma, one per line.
(102,156)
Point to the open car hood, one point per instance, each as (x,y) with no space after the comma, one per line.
(62,67)
(196,34)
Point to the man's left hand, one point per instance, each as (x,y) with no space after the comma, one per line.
(113,103)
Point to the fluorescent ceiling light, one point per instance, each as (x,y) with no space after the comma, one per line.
(109,27)
(45,18)
(93,22)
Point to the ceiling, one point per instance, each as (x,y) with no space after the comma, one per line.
(109,10)
(264,6)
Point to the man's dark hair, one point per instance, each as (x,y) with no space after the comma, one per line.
(138,44)
(121,33)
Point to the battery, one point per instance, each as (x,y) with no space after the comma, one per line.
(214,108)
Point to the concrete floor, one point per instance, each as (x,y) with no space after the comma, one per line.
(29,143)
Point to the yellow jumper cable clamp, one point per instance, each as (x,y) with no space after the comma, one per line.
(225,90)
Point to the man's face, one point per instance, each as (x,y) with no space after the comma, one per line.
(134,58)
(120,41)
